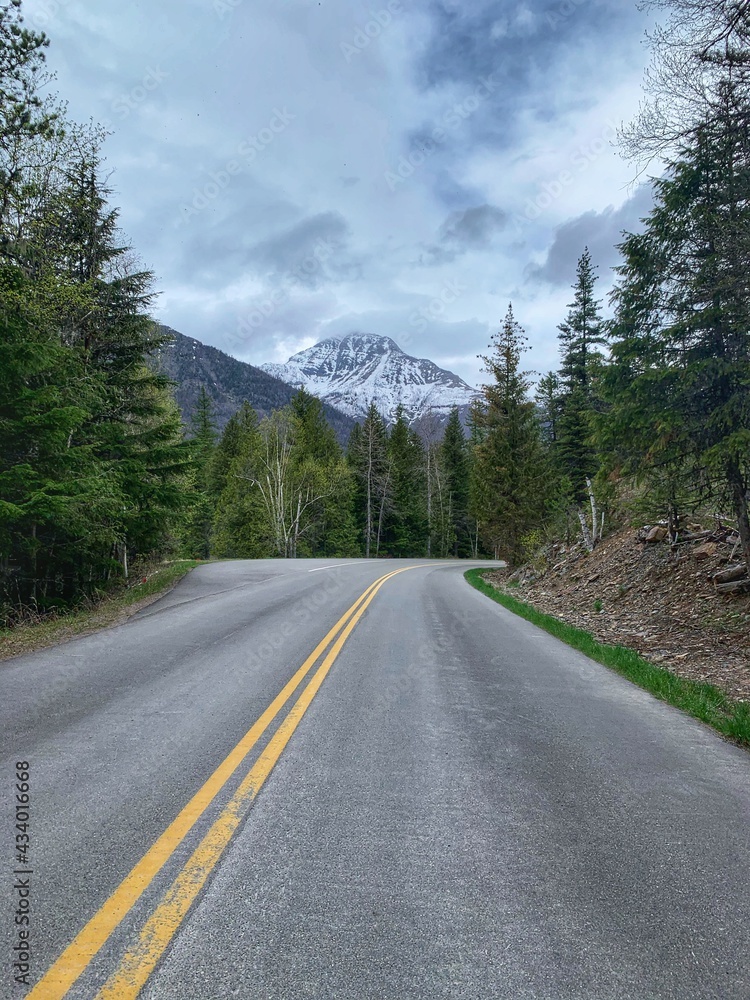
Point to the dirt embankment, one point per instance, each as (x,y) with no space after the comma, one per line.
(657,598)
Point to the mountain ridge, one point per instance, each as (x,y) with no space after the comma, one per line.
(357,369)
(190,364)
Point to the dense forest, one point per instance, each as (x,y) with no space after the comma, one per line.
(648,414)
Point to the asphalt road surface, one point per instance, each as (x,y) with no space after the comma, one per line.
(280,782)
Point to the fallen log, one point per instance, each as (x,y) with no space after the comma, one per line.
(738,587)
(692,536)
(730,573)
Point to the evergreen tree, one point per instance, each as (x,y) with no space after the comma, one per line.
(456,461)
(240,528)
(369,459)
(25,116)
(199,519)
(549,403)
(315,437)
(508,467)
(581,333)
(678,387)
(241,424)
(97,478)
(330,528)
(402,531)
(580,336)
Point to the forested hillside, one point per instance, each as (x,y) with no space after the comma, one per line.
(92,456)
(192,365)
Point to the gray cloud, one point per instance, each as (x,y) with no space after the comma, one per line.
(601,232)
(188,86)
(474,227)
(296,250)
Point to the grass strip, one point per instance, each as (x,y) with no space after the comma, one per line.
(112,609)
(705,702)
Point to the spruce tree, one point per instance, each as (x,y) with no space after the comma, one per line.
(403,530)
(580,335)
(508,466)
(681,338)
(370,462)
(199,518)
(240,527)
(456,462)
(242,423)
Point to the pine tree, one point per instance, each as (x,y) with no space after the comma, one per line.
(199,519)
(241,424)
(507,477)
(26,117)
(402,530)
(368,457)
(240,528)
(580,336)
(581,332)
(329,528)
(549,402)
(456,462)
(681,341)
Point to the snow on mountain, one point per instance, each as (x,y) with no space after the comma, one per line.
(361,368)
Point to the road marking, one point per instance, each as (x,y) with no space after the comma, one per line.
(138,964)
(319,569)
(74,960)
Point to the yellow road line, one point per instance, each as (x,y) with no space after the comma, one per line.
(73,961)
(138,964)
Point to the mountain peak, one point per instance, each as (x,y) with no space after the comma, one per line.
(356,369)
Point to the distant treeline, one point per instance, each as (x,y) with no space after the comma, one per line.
(283,486)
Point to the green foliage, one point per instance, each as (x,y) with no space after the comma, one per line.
(678,384)
(198,526)
(92,462)
(506,489)
(456,459)
(370,463)
(580,336)
(702,701)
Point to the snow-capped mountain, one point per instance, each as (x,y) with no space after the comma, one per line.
(362,368)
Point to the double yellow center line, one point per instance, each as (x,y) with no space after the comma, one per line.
(139,961)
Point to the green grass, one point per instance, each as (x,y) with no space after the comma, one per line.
(111,609)
(703,701)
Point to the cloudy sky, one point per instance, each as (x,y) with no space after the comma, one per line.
(293,169)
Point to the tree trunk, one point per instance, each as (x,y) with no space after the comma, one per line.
(594,512)
(585,531)
(368,515)
(738,487)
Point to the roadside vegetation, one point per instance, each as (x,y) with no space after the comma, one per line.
(32,631)
(705,702)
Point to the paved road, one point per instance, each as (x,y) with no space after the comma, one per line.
(465,808)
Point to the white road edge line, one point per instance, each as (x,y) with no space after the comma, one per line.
(319,569)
